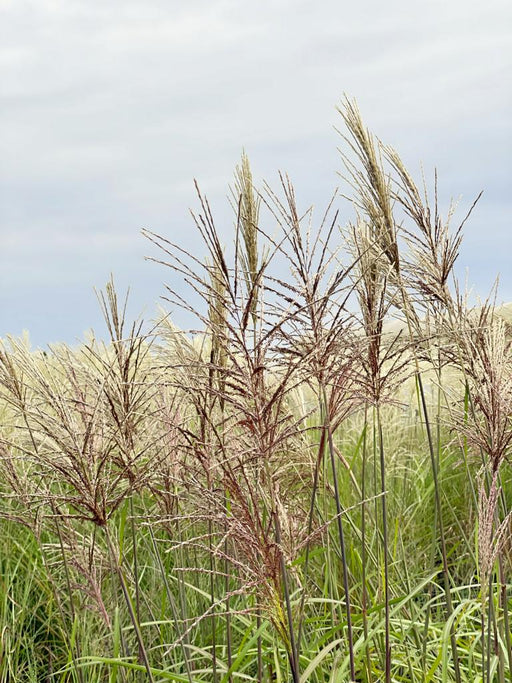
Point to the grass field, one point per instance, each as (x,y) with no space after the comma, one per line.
(313,484)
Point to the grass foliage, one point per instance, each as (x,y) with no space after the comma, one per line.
(313,484)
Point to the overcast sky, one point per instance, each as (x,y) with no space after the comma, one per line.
(110,109)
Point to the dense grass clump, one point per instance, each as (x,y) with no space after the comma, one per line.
(313,484)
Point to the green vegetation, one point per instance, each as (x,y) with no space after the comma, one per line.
(314,485)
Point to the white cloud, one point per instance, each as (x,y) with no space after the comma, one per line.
(108,110)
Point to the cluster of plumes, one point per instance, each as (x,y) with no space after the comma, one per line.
(82,433)
(408,266)
(485,347)
(207,423)
(264,337)
(481,349)
(474,343)
(239,437)
(80,420)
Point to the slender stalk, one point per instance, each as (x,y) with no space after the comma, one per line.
(363,550)
(312,500)
(437,495)
(259,647)
(171,601)
(135,561)
(507,632)
(339,513)
(70,593)
(129,605)
(229,644)
(212,602)
(482,638)
(385,534)
(292,653)
(489,626)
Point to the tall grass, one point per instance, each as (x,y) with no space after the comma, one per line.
(313,484)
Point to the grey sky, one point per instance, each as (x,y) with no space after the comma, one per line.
(110,109)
